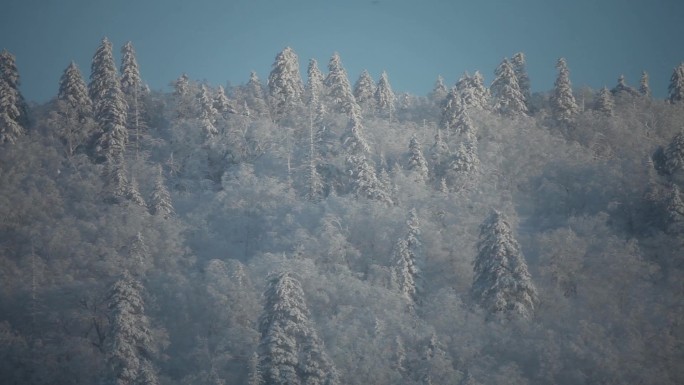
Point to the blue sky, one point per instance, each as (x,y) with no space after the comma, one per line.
(413,40)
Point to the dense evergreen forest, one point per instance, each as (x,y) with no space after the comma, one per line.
(316,231)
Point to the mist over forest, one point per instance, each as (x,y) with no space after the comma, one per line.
(307,228)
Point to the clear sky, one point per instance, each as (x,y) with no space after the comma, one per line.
(221,41)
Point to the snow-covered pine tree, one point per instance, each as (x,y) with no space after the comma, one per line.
(406,272)
(384,97)
(520,69)
(115,179)
(133,193)
(314,84)
(501,282)
(285,83)
(315,189)
(365,182)
(160,199)
(134,91)
(254,96)
(450,109)
(509,100)
(353,139)
(138,254)
(254,376)
(465,159)
(480,92)
(644,87)
(130,343)
(222,104)
(439,154)
(604,103)
(439,91)
(339,90)
(675,211)
(109,103)
(74,109)
(563,105)
(290,352)
(12,107)
(674,154)
(623,88)
(208,113)
(416,161)
(676,87)
(10,74)
(364,91)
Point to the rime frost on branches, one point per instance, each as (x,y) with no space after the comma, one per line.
(285,83)
(13,112)
(160,199)
(674,154)
(364,91)
(675,211)
(222,104)
(439,91)
(384,97)
(207,113)
(509,100)
(563,105)
(623,88)
(353,139)
(676,87)
(519,67)
(74,109)
(365,182)
(416,161)
(644,87)
(290,352)
(501,282)
(472,91)
(339,89)
(314,84)
(604,103)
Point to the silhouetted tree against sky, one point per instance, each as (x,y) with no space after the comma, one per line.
(285,83)
(676,87)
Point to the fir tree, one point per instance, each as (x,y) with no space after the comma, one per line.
(439,154)
(208,113)
(364,90)
(674,154)
(604,103)
(676,87)
(439,91)
(644,88)
(450,110)
(465,159)
(255,96)
(353,140)
(160,200)
(675,211)
(339,90)
(139,253)
(109,104)
(314,84)
(365,182)
(519,67)
(416,161)
(501,282)
(623,88)
(181,86)
(509,99)
(13,111)
(285,83)
(563,105)
(315,188)
(74,109)
(129,343)
(255,377)
(384,97)
(133,193)
(115,179)
(290,352)
(222,104)
(134,90)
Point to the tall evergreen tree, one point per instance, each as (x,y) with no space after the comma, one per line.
(674,154)
(207,113)
(130,343)
(314,84)
(290,351)
(222,104)
(623,88)
(115,179)
(364,90)
(604,103)
(563,105)
(439,91)
(416,161)
(74,109)
(353,139)
(160,200)
(676,87)
(509,99)
(254,96)
(134,91)
(406,272)
(365,182)
(339,90)
(384,97)
(644,87)
(501,282)
(465,159)
(439,154)
(13,111)
(109,103)
(450,110)
(285,83)
(520,69)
